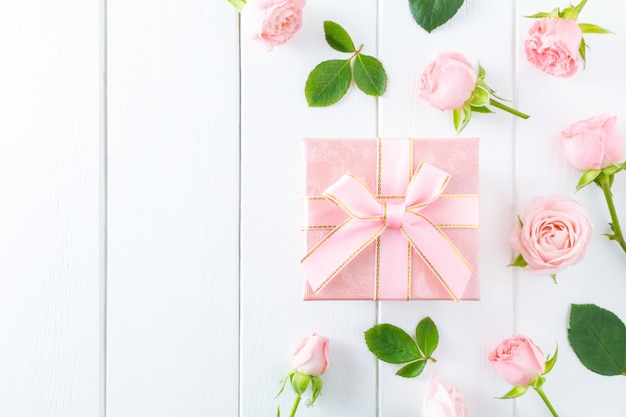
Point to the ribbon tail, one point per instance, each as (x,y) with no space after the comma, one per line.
(324,261)
(440,254)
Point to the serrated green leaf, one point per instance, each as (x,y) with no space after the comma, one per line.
(328,82)
(591,28)
(427,337)
(369,75)
(430,14)
(391,344)
(412,370)
(598,338)
(515,392)
(519,261)
(587,178)
(337,37)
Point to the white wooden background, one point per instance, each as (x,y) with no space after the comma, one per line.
(150,185)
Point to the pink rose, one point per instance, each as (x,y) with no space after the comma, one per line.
(448,81)
(518,360)
(593,143)
(555,234)
(443,401)
(311,355)
(553,46)
(273,22)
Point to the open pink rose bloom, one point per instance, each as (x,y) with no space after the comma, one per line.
(518,360)
(553,44)
(555,234)
(273,22)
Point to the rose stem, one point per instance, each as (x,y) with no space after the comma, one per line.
(605,184)
(507,108)
(546,401)
(295,406)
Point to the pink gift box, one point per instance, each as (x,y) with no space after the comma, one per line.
(391,219)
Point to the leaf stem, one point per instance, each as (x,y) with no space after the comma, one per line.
(296,402)
(358,51)
(544,397)
(605,183)
(508,109)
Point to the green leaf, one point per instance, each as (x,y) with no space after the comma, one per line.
(612,169)
(550,361)
(569,13)
(590,28)
(481,72)
(391,344)
(412,370)
(519,261)
(456,118)
(238,4)
(430,14)
(582,50)
(328,82)
(538,15)
(587,178)
(464,114)
(553,276)
(598,338)
(337,37)
(579,6)
(481,109)
(515,392)
(427,337)
(369,75)
(316,388)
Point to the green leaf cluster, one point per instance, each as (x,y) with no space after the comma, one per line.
(430,14)
(391,344)
(598,338)
(330,80)
(518,391)
(478,101)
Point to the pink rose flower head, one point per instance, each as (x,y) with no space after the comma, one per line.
(555,234)
(311,355)
(273,22)
(443,400)
(518,360)
(593,143)
(553,44)
(448,81)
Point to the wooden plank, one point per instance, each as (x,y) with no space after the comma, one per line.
(468,330)
(275,118)
(50,205)
(173,192)
(542,310)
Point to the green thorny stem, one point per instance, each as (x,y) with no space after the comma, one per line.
(605,183)
(511,110)
(546,401)
(296,402)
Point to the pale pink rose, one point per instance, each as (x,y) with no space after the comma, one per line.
(555,234)
(311,355)
(448,81)
(553,45)
(273,22)
(443,401)
(518,360)
(593,143)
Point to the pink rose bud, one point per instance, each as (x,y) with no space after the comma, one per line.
(273,22)
(518,360)
(311,355)
(448,81)
(555,234)
(593,143)
(553,45)
(443,401)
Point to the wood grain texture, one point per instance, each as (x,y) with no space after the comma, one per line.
(50,241)
(173,193)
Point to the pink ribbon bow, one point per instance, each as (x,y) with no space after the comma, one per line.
(391,224)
